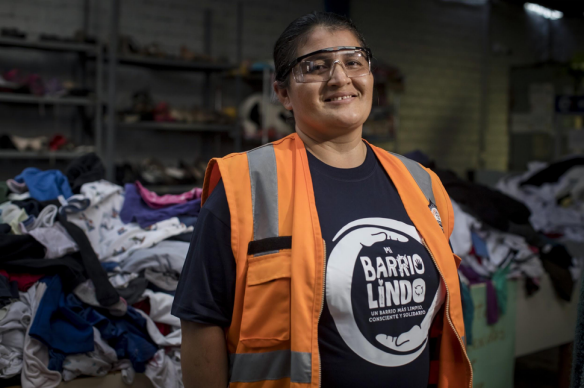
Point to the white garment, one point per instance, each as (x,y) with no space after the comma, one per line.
(55,239)
(166,281)
(13,216)
(121,280)
(164,257)
(86,293)
(164,370)
(96,363)
(12,329)
(111,239)
(45,219)
(35,371)
(18,197)
(172,339)
(160,306)
(460,238)
(572,184)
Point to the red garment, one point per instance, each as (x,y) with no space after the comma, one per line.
(164,328)
(24,280)
(144,305)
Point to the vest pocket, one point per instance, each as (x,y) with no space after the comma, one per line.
(266,306)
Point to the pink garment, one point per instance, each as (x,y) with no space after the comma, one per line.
(156,202)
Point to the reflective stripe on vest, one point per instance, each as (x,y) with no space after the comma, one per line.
(280,364)
(263,176)
(421,176)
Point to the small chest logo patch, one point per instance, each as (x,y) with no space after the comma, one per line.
(436,214)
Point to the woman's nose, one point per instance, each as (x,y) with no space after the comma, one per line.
(338,73)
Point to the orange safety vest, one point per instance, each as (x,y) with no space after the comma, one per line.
(281,256)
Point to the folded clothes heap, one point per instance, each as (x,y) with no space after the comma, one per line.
(82,292)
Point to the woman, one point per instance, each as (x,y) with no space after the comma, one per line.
(320,260)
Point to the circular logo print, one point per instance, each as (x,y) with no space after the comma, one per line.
(377,291)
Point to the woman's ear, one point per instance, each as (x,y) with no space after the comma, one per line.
(283,95)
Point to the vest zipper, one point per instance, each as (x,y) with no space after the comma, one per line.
(448,311)
(320,314)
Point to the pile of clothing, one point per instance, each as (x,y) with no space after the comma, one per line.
(554,193)
(498,235)
(88,275)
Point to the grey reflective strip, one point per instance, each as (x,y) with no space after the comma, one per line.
(264,192)
(250,367)
(421,176)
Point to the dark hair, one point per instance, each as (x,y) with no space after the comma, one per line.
(286,48)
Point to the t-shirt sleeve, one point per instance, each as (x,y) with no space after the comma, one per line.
(206,288)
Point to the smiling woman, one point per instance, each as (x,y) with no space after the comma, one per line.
(330,103)
(321,260)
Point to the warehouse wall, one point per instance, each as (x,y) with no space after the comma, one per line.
(438,45)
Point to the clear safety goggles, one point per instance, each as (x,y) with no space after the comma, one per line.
(318,66)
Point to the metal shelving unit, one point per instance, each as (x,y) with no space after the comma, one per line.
(173,64)
(48,45)
(114,60)
(31,99)
(173,126)
(51,155)
(83,52)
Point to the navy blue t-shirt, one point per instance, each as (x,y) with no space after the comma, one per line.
(382,289)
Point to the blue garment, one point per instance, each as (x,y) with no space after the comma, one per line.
(110,266)
(45,185)
(135,209)
(188,220)
(479,245)
(65,325)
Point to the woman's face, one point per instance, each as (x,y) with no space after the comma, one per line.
(314,106)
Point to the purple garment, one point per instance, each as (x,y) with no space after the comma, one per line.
(492,305)
(136,210)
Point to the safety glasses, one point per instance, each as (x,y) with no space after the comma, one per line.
(318,66)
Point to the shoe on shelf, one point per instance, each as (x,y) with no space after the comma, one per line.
(29,143)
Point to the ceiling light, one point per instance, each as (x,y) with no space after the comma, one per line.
(543,11)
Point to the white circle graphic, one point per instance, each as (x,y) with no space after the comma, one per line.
(339,279)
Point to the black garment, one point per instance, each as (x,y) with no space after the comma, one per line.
(185,237)
(206,286)
(69,268)
(84,169)
(14,246)
(366,194)
(133,292)
(491,207)
(105,292)
(8,291)
(365,198)
(553,172)
(32,206)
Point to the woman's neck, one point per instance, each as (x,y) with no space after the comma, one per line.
(347,151)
